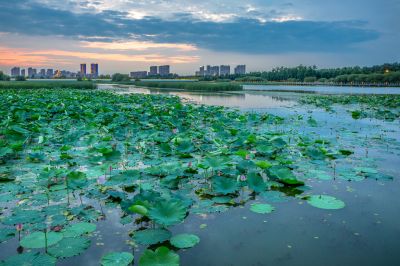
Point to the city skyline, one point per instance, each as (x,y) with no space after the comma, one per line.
(259,34)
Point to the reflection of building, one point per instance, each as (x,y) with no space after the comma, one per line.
(153,71)
(15,71)
(225,70)
(240,70)
(138,74)
(163,70)
(94,70)
(83,70)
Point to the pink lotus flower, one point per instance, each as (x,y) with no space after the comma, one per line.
(175,130)
(101,179)
(247,156)
(243,178)
(19,227)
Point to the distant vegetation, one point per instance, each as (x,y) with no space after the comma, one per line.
(46,85)
(386,73)
(3,76)
(118,77)
(192,86)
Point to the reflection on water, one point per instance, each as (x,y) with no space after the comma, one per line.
(325,89)
(227,99)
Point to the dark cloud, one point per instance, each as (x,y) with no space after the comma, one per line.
(242,35)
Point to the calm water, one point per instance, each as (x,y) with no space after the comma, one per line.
(326,89)
(366,232)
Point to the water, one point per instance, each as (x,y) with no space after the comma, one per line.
(366,232)
(326,89)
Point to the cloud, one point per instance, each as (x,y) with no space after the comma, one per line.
(137,46)
(244,35)
(12,56)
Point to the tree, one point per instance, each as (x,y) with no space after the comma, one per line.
(118,77)
(4,76)
(20,78)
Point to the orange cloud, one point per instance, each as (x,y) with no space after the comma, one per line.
(13,57)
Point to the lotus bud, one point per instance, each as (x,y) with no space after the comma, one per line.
(175,130)
(190,164)
(243,178)
(19,227)
(247,156)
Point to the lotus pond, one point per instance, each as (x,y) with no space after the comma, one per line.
(106,178)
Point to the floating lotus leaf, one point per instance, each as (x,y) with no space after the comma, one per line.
(79,229)
(151,236)
(23,217)
(261,208)
(162,256)
(184,240)
(224,185)
(38,239)
(318,174)
(29,259)
(69,247)
(6,234)
(325,202)
(117,259)
(168,212)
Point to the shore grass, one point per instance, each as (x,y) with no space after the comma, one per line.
(72,84)
(192,86)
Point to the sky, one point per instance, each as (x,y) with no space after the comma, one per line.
(131,35)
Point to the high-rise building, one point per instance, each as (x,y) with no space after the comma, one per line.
(83,70)
(15,71)
(201,72)
(163,70)
(32,72)
(94,70)
(23,72)
(153,71)
(138,74)
(214,71)
(42,73)
(225,70)
(50,73)
(240,70)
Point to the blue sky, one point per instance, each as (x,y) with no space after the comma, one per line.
(124,36)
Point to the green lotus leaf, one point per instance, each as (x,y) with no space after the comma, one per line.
(69,247)
(29,259)
(38,239)
(263,164)
(256,182)
(139,209)
(284,175)
(274,196)
(77,180)
(224,185)
(184,240)
(117,259)
(325,202)
(151,236)
(261,208)
(162,256)
(79,229)
(6,234)
(167,212)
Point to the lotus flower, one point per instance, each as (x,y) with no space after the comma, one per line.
(19,227)
(190,164)
(101,179)
(243,178)
(175,130)
(247,156)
